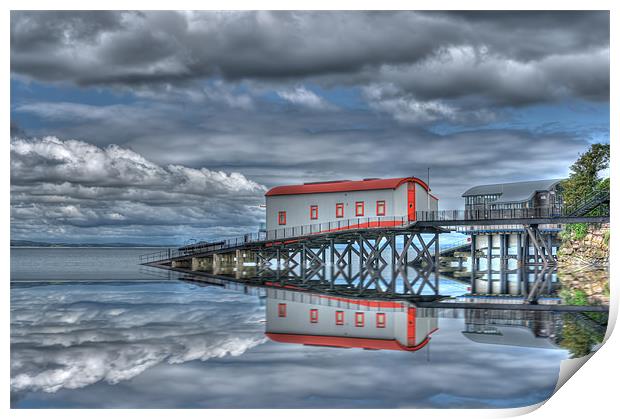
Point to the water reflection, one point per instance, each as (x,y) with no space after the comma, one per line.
(225,340)
(324,320)
(101,344)
(521,285)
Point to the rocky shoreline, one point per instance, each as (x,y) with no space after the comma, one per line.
(590,250)
(583,266)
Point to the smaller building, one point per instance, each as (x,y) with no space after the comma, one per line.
(516,195)
(538,329)
(324,320)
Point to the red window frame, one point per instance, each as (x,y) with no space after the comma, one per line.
(339,318)
(314,315)
(381,205)
(282,218)
(281,310)
(359,319)
(358,205)
(340,210)
(314,212)
(381,320)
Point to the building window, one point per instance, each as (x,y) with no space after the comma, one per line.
(359,319)
(380,207)
(282,218)
(314,212)
(281,310)
(314,315)
(339,210)
(381,320)
(359,209)
(339,318)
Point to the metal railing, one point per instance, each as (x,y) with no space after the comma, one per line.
(354,303)
(488,214)
(338,225)
(456,245)
(291,233)
(588,203)
(285,233)
(505,228)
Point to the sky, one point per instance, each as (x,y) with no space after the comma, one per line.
(161,127)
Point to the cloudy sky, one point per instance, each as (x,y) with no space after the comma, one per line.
(164,126)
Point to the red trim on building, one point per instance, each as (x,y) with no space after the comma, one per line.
(380,320)
(340,210)
(314,212)
(411,202)
(282,310)
(345,342)
(371,224)
(344,186)
(359,208)
(380,210)
(314,315)
(359,319)
(411,316)
(339,318)
(282,218)
(360,303)
(275,284)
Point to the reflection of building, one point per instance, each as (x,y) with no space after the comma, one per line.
(515,195)
(532,329)
(321,202)
(322,320)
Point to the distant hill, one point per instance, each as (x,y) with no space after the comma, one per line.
(28,243)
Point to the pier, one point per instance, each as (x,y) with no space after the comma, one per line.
(373,255)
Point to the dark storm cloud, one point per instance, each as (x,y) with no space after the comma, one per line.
(565,52)
(274,147)
(220,100)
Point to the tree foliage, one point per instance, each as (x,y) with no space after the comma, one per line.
(584,177)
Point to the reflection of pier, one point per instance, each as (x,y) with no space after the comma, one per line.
(324,320)
(297,316)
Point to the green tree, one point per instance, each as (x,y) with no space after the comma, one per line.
(584,178)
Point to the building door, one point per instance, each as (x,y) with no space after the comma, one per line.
(411,201)
(411,314)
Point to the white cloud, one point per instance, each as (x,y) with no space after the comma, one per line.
(56,182)
(304,97)
(58,341)
(81,163)
(405,107)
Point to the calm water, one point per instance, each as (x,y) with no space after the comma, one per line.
(91,329)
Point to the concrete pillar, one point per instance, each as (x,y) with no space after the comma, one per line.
(473,253)
(550,244)
(217,262)
(519,249)
(200,264)
(526,248)
(238,260)
(489,264)
(182,264)
(502,251)
(436,252)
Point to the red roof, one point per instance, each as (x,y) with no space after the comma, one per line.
(344,186)
(345,342)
